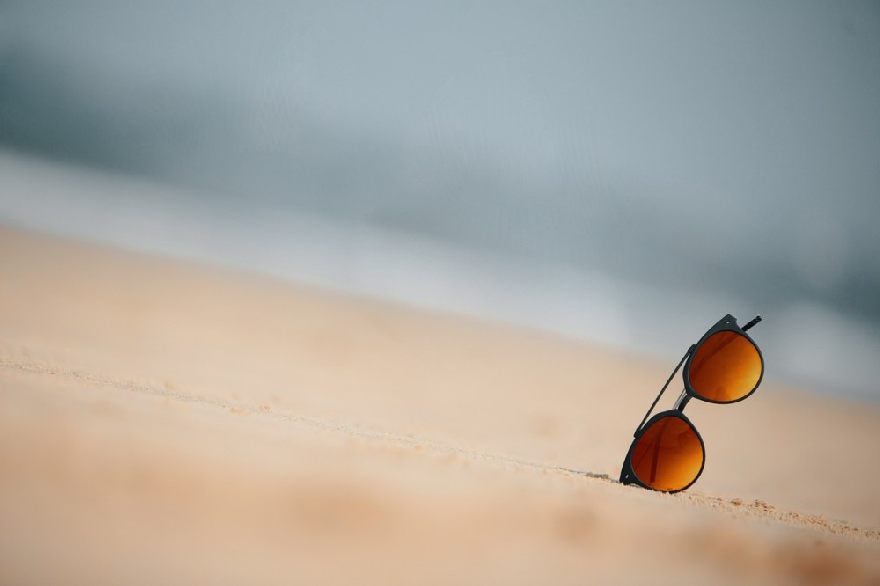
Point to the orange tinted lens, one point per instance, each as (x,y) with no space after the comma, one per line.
(668,455)
(726,367)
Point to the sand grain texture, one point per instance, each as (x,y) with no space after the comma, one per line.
(166,423)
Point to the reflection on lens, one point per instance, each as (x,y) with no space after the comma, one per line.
(725,367)
(668,455)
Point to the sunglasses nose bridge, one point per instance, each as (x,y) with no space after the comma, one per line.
(682,400)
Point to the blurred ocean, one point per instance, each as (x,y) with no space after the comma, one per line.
(623,174)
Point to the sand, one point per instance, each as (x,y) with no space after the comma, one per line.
(167,423)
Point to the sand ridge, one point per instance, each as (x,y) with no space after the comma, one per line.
(757,507)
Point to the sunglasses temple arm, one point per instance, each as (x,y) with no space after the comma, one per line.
(752,323)
(662,390)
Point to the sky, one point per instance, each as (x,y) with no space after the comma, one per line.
(640,158)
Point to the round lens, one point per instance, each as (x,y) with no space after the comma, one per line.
(669,455)
(726,367)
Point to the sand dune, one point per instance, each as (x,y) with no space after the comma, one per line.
(168,423)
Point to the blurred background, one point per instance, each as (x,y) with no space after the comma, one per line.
(624,173)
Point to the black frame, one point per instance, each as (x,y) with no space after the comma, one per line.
(726,323)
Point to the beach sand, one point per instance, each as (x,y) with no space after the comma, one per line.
(167,423)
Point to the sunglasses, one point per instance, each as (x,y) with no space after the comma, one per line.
(667,452)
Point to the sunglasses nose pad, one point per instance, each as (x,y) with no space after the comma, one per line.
(668,454)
